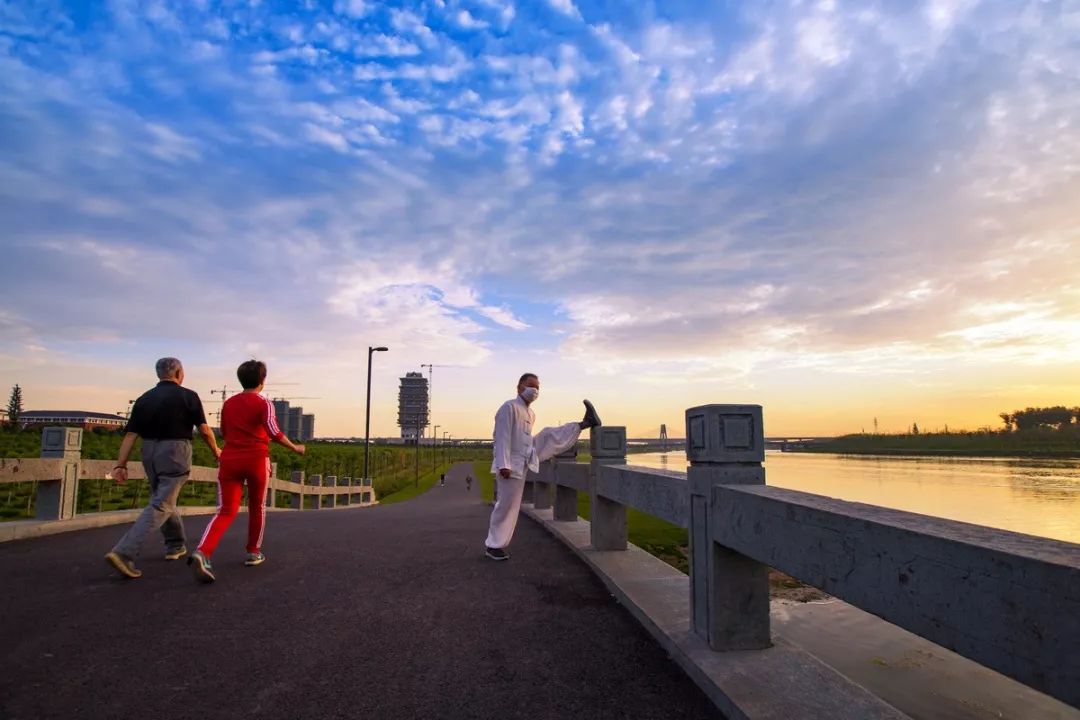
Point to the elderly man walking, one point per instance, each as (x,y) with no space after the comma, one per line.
(163,417)
(517,452)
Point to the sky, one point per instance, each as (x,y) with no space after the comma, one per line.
(841,211)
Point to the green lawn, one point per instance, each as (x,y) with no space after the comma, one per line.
(392,468)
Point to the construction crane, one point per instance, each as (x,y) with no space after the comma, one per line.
(431,385)
(224,393)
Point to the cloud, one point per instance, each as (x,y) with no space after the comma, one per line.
(351,8)
(566,7)
(465,19)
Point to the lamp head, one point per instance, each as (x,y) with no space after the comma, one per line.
(378,349)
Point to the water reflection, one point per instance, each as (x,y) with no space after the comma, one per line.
(1038,497)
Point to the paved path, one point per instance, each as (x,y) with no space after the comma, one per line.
(386,612)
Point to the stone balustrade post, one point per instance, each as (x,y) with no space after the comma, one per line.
(271,491)
(56,499)
(566,498)
(729,592)
(316,499)
(346,498)
(607,443)
(527,493)
(542,485)
(297,498)
(330,481)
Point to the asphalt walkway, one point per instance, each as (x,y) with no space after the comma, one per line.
(384,612)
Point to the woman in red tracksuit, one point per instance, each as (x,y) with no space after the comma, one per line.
(248,426)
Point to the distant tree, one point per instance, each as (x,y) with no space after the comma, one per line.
(914,428)
(875,426)
(1008,420)
(1032,418)
(15,407)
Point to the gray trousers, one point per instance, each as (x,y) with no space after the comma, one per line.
(168,467)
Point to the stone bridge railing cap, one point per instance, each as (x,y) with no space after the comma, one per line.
(725,434)
(608,441)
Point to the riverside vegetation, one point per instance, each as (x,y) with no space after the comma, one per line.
(392,469)
(1045,442)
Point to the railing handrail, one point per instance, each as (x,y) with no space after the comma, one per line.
(1003,599)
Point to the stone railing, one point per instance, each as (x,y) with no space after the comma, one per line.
(1008,601)
(61,468)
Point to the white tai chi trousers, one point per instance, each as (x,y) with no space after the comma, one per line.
(548,443)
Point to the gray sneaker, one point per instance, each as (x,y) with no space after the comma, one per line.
(497,554)
(255,559)
(175,553)
(123,564)
(200,565)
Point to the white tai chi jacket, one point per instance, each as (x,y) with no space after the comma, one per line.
(516,447)
(513,439)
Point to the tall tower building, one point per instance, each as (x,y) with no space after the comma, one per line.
(281,414)
(307,427)
(413,404)
(293,423)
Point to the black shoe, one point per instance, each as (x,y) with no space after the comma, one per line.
(124,565)
(497,553)
(591,419)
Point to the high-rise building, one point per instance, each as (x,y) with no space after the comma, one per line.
(293,423)
(413,404)
(281,414)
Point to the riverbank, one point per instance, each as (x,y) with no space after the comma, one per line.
(1050,444)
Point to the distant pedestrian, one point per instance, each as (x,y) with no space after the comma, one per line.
(442,480)
(468,482)
(248,426)
(517,452)
(163,417)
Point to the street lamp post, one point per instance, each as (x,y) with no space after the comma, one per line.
(367,408)
(434,446)
(416,479)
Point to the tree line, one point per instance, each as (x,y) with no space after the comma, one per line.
(1058,417)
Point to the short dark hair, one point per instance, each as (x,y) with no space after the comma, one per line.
(526,376)
(251,374)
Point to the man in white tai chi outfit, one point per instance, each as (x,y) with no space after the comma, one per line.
(517,452)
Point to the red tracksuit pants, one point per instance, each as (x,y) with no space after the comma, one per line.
(233,472)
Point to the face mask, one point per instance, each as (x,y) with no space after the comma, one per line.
(529,394)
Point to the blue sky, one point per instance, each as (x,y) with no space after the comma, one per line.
(838,210)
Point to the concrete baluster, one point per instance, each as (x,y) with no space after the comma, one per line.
(527,493)
(271,490)
(542,485)
(297,498)
(607,444)
(729,592)
(330,481)
(566,498)
(347,497)
(316,498)
(56,499)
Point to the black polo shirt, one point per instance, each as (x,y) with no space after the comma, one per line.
(167,412)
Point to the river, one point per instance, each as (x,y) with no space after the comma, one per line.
(1037,497)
